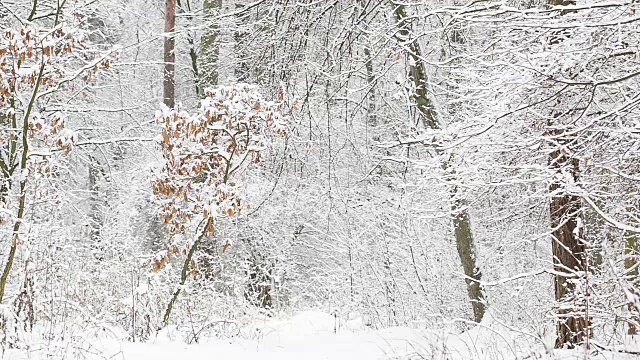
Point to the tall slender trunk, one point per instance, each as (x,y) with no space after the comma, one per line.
(24,137)
(15,237)
(207,67)
(169,82)
(460,217)
(209,49)
(192,47)
(242,70)
(184,274)
(569,250)
(95,208)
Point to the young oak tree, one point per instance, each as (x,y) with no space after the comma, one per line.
(205,155)
(35,63)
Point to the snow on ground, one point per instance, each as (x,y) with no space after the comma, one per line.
(316,335)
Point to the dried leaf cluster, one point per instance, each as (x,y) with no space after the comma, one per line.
(204,152)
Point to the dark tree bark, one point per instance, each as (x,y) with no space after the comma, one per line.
(631,253)
(169,82)
(565,211)
(569,251)
(260,275)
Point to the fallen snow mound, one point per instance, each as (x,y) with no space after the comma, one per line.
(318,335)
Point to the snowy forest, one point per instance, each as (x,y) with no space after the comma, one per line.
(320,179)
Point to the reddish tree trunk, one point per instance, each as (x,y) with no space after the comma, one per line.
(169,84)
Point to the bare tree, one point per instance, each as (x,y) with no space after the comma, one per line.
(459,213)
(209,46)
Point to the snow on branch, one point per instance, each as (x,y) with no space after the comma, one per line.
(204,153)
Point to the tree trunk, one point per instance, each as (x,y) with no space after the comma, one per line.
(209,49)
(192,48)
(371,96)
(169,82)
(565,211)
(467,253)
(569,251)
(596,233)
(242,71)
(260,274)
(15,237)
(631,253)
(460,217)
(95,215)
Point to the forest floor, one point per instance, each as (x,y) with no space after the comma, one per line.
(315,335)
